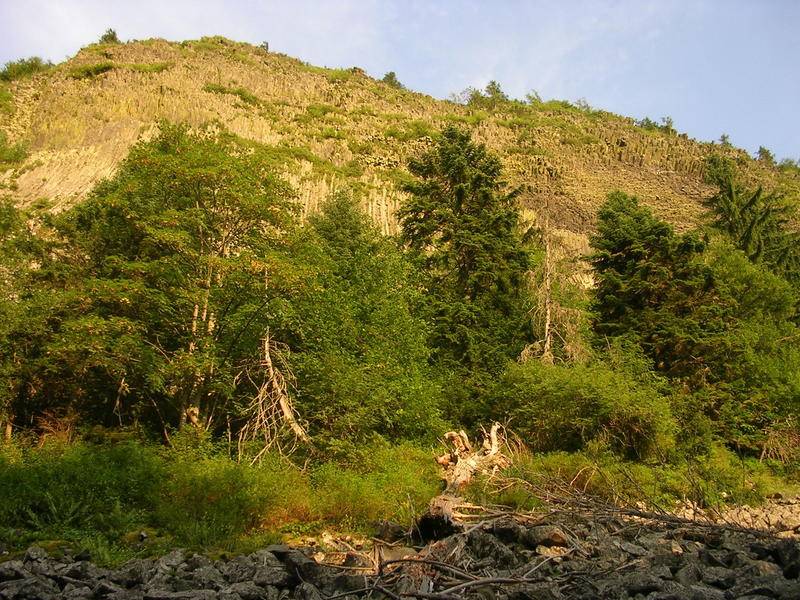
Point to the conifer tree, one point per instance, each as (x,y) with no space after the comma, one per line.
(465,232)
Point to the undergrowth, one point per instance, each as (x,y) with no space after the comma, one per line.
(101,496)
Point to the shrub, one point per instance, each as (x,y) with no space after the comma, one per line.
(239,92)
(109,37)
(11,153)
(564,407)
(381,482)
(24,67)
(89,71)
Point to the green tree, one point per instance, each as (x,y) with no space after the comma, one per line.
(717,324)
(109,37)
(391,80)
(358,351)
(757,222)
(654,285)
(178,279)
(464,231)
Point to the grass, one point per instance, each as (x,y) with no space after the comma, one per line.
(91,71)
(156,67)
(11,154)
(100,495)
(239,92)
(712,482)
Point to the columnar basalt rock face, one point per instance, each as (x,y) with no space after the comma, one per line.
(78,124)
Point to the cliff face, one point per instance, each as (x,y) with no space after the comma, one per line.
(329,128)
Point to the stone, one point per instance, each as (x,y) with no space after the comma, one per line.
(35,554)
(307,591)
(13,569)
(545,535)
(247,590)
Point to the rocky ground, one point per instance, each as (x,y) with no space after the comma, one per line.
(575,553)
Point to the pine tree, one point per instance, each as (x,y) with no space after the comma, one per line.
(465,232)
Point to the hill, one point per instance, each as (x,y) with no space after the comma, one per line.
(333,127)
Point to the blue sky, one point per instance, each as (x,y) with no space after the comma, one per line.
(713,66)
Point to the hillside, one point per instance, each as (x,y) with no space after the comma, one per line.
(330,128)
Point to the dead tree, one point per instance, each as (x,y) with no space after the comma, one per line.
(271,411)
(461,465)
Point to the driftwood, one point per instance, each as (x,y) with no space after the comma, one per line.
(461,465)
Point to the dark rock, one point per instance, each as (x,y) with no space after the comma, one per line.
(508,531)
(186,595)
(13,569)
(716,558)
(31,588)
(787,555)
(247,590)
(206,578)
(719,577)
(545,535)
(688,574)
(240,568)
(126,595)
(171,561)
(345,582)
(105,588)
(485,546)
(390,531)
(276,577)
(134,572)
(35,554)
(76,593)
(536,591)
(704,592)
(307,591)
(642,583)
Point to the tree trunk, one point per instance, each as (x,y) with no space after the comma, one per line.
(461,465)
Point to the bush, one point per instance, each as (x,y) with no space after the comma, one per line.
(89,71)
(212,501)
(11,153)
(382,482)
(564,407)
(109,37)
(24,67)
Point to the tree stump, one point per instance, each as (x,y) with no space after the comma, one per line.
(460,467)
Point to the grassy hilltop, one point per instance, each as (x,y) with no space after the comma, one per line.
(329,126)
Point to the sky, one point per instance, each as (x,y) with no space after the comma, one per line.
(713,66)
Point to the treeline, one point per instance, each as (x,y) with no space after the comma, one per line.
(186,293)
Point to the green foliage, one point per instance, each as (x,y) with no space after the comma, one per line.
(705,315)
(567,407)
(101,495)
(91,71)
(758,223)
(155,67)
(653,285)
(766,156)
(24,67)
(163,299)
(411,130)
(11,154)
(109,37)
(239,92)
(465,234)
(391,80)
(359,351)
(666,126)
(384,483)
